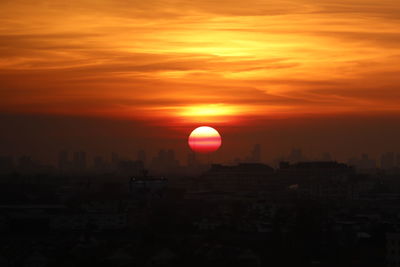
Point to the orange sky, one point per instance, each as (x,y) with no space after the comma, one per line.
(200,61)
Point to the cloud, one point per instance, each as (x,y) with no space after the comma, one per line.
(124,58)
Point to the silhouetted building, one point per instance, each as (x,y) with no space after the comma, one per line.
(388,161)
(256,153)
(393,249)
(141,156)
(364,163)
(26,164)
(242,177)
(130,167)
(6,164)
(79,161)
(63,161)
(191,159)
(165,162)
(398,160)
(114,160)
(100,164)
(296,155)
(326,157)
(326,168)
(147,183)
(321,179)
(255,156)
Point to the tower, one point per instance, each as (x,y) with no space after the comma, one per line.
(256,153)
(63,160)
(141,156)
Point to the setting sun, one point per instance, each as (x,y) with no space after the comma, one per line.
(204,139)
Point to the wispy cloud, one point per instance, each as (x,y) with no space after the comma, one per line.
(124,58)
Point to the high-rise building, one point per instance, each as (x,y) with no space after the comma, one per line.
(364,163)
(63,160)
(388,161)
(6,164)
(162,155)
(191,159)
(393,249)
(130,167)
(99,163)
(79,161)
(398,160)
(25,163)
(141,156)
(114,160)
(256,153)
(165,162)
(170,155)
(326,157)
(296,155)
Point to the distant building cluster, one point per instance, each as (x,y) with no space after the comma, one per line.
(166,162)
(321,212)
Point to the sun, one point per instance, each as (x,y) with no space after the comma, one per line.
(204,139)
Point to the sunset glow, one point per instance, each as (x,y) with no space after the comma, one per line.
(199,61)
